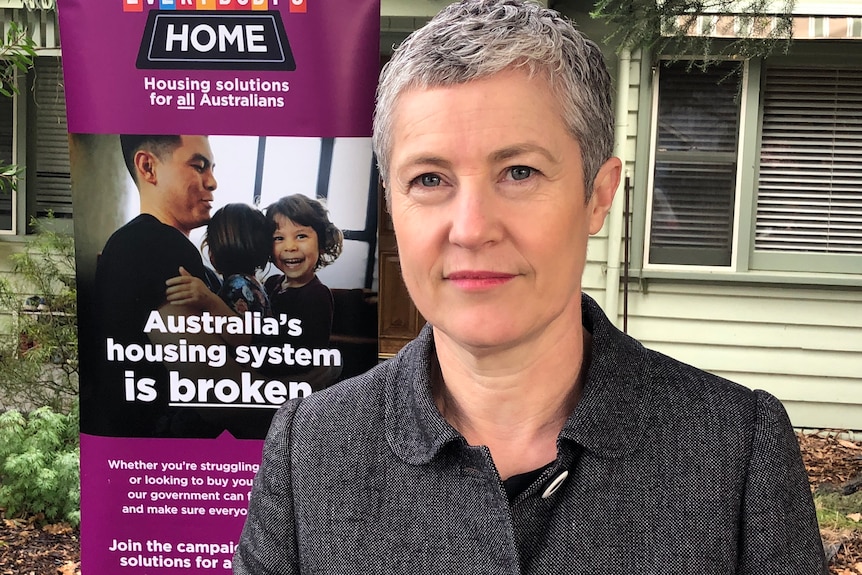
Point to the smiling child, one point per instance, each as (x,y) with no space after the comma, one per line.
(303,242)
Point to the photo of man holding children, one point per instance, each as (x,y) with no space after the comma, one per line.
(215,269)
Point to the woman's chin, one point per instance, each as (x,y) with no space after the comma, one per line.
(481,337)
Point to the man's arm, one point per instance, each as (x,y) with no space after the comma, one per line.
(186,294)
(779,533)
(268,545)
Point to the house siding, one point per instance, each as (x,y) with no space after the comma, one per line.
(801,343)
(803,346)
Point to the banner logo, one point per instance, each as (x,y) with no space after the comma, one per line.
(215,41)
(138,5)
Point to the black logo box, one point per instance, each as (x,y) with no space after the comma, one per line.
(197,41)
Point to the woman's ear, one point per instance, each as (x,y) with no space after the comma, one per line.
(605,186)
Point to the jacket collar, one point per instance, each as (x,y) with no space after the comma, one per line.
(610,416)
(415,428)
(608,420)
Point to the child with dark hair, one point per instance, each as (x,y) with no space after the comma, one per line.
(238,240)
(299,239)
(304,241)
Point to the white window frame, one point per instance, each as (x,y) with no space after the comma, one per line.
(18,116)
(735,226)
(790,262)
(746,263)
(25,138)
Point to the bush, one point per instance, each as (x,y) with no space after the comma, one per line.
(39,353)
(39,464)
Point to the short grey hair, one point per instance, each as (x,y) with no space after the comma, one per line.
(474,39)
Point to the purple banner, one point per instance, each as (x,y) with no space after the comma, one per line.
(159,502)
(225,201)
(334,44)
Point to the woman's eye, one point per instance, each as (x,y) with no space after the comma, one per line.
(428,180)
(520,172)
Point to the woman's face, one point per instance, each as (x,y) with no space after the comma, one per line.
(294,251)
(487,199)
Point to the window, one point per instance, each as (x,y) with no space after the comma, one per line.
(755,166)
(7,156)
(33,134)
(695,165)
(809,196)
(50,155)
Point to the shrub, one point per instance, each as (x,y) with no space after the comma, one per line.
(39,464)
(39,352)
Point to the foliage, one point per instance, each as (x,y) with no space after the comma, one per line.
(39,461)
(765,26)
(17,51)
(39,353)
(835,511)
(39,464)
(16,55)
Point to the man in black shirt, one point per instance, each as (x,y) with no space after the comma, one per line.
(174,176)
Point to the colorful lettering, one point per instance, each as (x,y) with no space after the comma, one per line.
(133,6)
(297,6)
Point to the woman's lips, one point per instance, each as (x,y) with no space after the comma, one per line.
(478,279)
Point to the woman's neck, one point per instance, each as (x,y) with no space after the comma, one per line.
(514,402)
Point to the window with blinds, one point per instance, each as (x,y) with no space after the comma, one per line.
(45,163)
(7,146)
(694,172)
(51,154)
(809,196)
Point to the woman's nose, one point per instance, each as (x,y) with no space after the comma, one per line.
(474,217)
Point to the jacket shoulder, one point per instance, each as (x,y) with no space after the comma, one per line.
(353,406)
(682,378)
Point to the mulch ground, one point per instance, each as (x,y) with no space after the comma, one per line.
(28,547)
(835,466)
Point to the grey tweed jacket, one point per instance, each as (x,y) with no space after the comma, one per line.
(670,471)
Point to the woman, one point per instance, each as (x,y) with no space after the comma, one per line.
(520,432)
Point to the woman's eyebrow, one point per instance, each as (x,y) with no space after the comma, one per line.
(510,152)
(426,160)
(500,155)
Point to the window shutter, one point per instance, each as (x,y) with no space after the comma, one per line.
(694,177)
(810,188)
(53,182)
